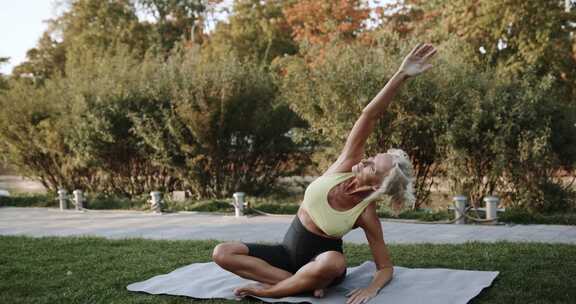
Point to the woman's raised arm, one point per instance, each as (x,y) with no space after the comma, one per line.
(414,63)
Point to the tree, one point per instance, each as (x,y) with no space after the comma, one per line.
(3,81)
(331,94)
(319,22)
(88,28)
(256,28)
(515,36)
(46,60)
(226,129)
(178,20)
(97,26)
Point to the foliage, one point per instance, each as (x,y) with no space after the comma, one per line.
(425,215)
(224,129)
(255,29)
(504,141)
(521,216)
(3,80)
(319,22)
(331,93)
(200,206)
(116,125)
(516,36)
(96,26)
(29,125)
(85,29)
(44,61)
(112,159)
(28,200)
(108,102)
(99,201)
(275,208)
(177,20)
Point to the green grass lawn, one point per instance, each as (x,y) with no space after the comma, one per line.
(97,270)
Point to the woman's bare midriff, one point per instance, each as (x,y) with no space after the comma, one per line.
(306,220)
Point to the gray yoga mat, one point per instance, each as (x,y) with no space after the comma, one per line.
(410,285)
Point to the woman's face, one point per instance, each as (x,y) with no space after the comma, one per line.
(372,170)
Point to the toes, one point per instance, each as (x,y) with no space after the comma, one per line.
(319,293)
(240,292)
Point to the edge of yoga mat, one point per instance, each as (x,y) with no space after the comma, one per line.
(333,294)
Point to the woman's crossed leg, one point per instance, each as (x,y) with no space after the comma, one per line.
(314,276)
(234,257)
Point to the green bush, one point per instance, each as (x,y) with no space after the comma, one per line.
(331,85)
(119,125)
(31,126)
(200,206)
(276,208)
(488,135)
(28,200)
(103,202)
(521,216)
(227,127)
(425,215)
(504,141)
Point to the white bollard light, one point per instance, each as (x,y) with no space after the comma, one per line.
(239,203)
(63,198)
(460,208)
(491,207)
(78,199)
(156,201)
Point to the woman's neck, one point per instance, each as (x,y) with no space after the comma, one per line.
(355,186)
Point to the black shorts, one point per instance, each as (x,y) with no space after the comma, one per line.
(298,248)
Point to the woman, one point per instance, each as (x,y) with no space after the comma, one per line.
(310,258)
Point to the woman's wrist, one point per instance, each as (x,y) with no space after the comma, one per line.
(401,75)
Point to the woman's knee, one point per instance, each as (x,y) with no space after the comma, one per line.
(222,252)
(331,263)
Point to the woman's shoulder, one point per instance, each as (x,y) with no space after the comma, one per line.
(333,172)
(369,219)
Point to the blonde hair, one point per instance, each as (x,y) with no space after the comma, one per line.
(398,184)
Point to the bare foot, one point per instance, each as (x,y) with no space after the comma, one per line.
(252,289)
(319,293)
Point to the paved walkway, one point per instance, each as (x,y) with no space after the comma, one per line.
(201,226)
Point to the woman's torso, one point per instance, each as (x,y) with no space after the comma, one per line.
(339,200)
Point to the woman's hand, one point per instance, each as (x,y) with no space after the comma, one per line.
(416,62)
(360,295)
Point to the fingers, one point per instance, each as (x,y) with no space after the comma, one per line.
(242,292)
(416,48)
(358,299)
(423,50)
(352,299)
(429,54)
(352,292)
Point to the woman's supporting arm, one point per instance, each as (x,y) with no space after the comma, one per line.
(370,223)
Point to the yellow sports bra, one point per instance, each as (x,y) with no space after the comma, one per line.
(333,222)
